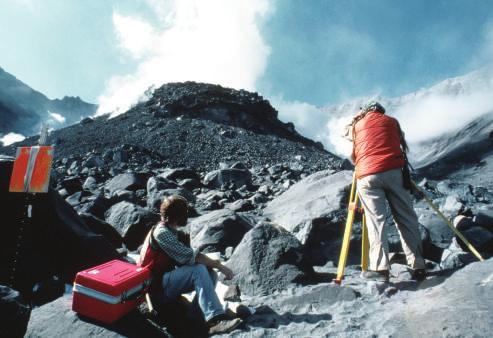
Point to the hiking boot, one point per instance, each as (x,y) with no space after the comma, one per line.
(418,274)
(377,276)
(224,326)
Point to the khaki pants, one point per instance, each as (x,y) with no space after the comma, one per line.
(375,191)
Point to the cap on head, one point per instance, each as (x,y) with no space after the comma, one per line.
(373,106)
(174,209)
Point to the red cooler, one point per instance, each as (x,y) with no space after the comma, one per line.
(109,291)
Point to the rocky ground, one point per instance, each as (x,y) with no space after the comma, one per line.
(273,205)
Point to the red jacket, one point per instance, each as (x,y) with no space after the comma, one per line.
(376,144)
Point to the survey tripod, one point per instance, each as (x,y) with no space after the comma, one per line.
(353,208)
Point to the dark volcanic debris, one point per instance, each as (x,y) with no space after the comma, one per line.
(195,125)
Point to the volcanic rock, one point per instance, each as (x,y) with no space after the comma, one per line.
(187,132)
(218,230)
(90,183)
(154,200)
(131,221)
(14,313)
(180,174)
(226,177)
(314,210)
(268,258)
(99,226)
(56,319)
(126,181)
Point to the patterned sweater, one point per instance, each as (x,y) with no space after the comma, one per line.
(168,239)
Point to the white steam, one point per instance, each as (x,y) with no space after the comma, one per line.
(425,114)
(57,117)
(10,138)
(216,41)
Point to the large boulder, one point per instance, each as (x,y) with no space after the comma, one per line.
(14,313)
(154,200)
(218,230)
(131,221)
(225,177)
(268,258)
(314,210)
(103,228)
(317,196)
(125,181)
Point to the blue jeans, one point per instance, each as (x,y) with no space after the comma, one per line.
(196,277)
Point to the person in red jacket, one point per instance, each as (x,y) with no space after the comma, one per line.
(379,155)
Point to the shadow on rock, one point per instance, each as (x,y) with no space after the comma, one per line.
(180,318)
(437,278)
(266,317)
(135,324)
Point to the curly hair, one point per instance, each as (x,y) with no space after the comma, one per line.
(174,209)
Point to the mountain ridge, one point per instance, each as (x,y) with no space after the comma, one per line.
(23,109)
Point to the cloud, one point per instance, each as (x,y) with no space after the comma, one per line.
(432,116)
(306,117)
(216,41)
(10,138)
(57,118)
(135,35)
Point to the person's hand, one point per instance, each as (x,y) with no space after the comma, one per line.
(227,272)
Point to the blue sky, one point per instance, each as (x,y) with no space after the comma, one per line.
(318,52)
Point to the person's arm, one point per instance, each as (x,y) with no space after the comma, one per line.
(215,264)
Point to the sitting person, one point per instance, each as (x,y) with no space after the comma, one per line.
(187,270)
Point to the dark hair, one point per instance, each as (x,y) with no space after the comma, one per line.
(174,209)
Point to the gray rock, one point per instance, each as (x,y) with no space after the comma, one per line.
(94,161)
(190,184)
(120,156)
(239,165)
(74,199)
(14,313)
(72,185)
(268,258)
(317,196)
(125,181)
(131,221)
(180,174)
(225,177)
(99,226)
(455,258)
(452,206)
(56,319)
(90,184)
(241,205)
(154,200)
(218,230)
(232,294)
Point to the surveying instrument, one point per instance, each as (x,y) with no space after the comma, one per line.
(353,208)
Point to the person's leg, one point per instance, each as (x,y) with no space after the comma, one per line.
(374,203)
(194,277)
(405,218)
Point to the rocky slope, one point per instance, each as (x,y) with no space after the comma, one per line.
(197,126)
(270,202)
(23,109)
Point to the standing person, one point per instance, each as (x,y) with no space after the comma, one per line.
(187,269)
(379,155)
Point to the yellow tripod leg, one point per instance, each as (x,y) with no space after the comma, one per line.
(446,220)
(365,244)
(347,232)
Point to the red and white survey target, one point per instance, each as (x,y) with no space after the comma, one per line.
(31,171)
